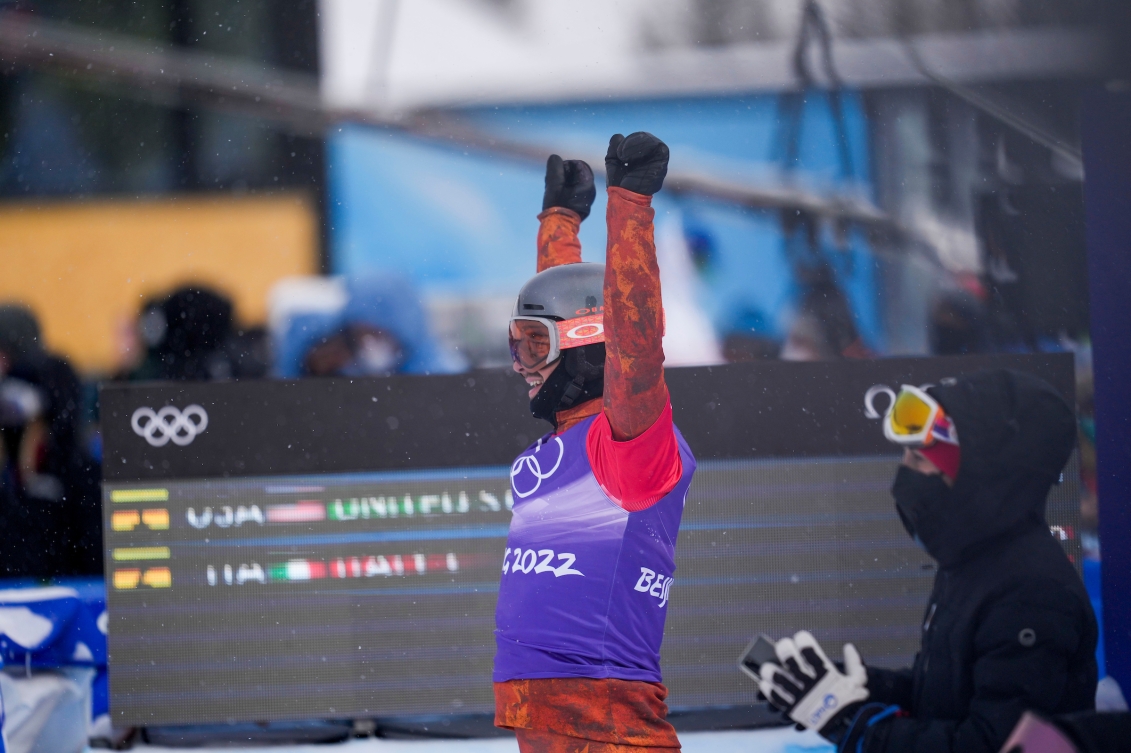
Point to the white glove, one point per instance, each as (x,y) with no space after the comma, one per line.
(808,687)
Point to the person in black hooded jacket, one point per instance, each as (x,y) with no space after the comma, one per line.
(1009,626)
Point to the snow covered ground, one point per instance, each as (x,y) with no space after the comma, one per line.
(761,741)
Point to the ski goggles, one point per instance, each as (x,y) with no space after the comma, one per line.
(915,419)
(537,341)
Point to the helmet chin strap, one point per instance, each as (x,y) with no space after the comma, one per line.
(572,392)
(584,373)
(576,380)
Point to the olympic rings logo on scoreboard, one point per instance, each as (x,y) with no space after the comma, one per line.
(159,427)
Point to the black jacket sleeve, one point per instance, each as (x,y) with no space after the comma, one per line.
(1098,733)
(1021,654)
(890,686)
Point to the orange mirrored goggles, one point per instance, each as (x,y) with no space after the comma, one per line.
(536,341)
(915,419)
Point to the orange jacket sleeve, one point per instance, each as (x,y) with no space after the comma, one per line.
(557,238)
(635,391)
(632,445)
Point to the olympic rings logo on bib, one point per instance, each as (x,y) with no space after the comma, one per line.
(533,466)
(585,330)
(159,427)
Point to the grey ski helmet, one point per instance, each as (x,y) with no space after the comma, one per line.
(569,300)
(565,292)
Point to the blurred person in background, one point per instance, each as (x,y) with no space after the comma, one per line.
(747,341)
(1009,626)
(50,514)
(191,335)
(824,328)
(957,325)
(959,319)
(381,329)
(579,626)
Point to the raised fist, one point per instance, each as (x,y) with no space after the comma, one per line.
(637,163)
(569,184)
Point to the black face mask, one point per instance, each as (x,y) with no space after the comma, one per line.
(923,502)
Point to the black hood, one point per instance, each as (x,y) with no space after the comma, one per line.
(1016,434)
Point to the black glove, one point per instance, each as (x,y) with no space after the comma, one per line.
(569,184)
(637,163)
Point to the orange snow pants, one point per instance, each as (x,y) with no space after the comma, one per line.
(581,715)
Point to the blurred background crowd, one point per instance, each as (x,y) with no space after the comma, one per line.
(207,190)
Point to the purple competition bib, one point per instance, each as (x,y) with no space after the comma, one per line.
(585,584)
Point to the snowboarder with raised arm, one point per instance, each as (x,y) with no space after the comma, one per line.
(590,557)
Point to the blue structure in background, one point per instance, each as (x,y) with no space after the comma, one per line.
(448,221)
(464,224)
(75,610)
(1093,581)
(1106,121)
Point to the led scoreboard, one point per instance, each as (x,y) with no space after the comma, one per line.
(332,548)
